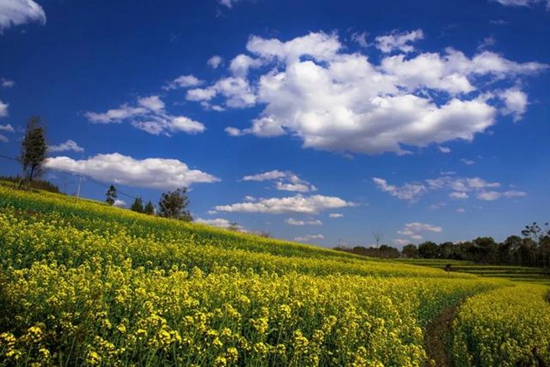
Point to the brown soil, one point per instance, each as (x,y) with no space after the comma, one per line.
(438,337)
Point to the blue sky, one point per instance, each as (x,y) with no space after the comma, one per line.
(318,121)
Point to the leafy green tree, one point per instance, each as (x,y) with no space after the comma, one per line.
(410,251)
(428,250)
(173,204)
(137,206)
(111,195)
(149,208)
(33,152)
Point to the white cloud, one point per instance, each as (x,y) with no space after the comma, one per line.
(157,173)
(333,100)
(115,115)
(467,162)
(460,184)
(309,237)
(218,222)
(294,187)
(3,109)
(152,103)
(242,63)
(515,103)
(286,181)
(320,46)
(336,215)
(489,195)
(514,194)
(6,83)
(398,41)
(16,12)
(184,81)
(360,38)
(523,3)
(150,116)
(461,187)
(444,149)
(233,131)
(119,203)
(294,204)
(295,222)
(215,61)
(415,230)
(410,191)
(265,127)
(459,195)
(69,145)
(266,176)
(236,91)
(461,210)
(7,128)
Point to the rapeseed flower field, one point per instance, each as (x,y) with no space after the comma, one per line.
(82,283)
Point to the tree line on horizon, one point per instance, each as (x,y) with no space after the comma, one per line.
(532,248)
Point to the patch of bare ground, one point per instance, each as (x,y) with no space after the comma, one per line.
(438,338)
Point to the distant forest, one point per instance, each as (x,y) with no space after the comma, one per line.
(532,248)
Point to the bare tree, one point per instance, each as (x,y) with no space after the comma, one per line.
(377,234)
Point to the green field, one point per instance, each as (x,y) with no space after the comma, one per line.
(514,273)
(82,283)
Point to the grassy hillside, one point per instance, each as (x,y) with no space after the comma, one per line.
(84,283)
(513,273)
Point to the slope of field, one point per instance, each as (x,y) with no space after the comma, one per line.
(86,284)
(514,273)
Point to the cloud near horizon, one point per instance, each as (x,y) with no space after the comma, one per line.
(298,204)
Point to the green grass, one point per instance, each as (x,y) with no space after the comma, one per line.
(513,273)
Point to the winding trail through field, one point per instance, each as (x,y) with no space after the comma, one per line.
(438,338)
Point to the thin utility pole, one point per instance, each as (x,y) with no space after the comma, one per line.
(79,183)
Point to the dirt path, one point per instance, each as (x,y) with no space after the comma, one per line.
(438,338)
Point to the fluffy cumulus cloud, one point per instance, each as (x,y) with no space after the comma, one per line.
(69,145)
(149,115)
(214,62)
(284,181)
(16,12)
(312,88)
(296,222)
(309,237)
(458,188)
(157,173)
(410,192)
(336,215)
(416,230)
(515,103)
(298,204)
(119,203)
